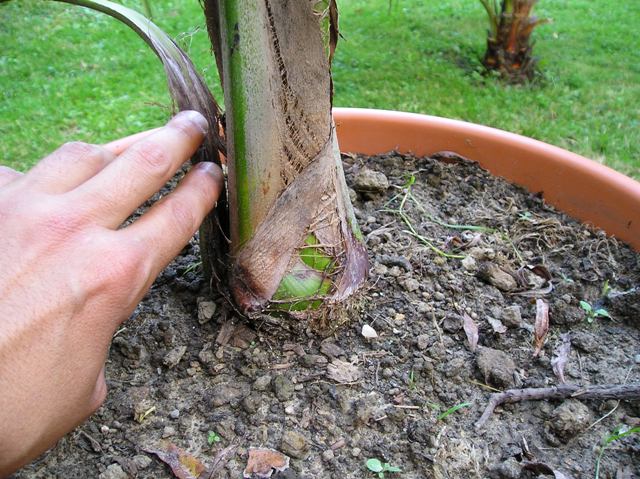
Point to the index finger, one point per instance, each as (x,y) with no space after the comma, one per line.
(118,146)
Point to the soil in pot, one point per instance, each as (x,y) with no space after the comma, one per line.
(451,248)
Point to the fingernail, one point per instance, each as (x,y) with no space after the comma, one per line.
(194,118)
(211,168)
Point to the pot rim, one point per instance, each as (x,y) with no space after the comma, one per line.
(582,188)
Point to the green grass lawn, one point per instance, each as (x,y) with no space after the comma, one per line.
(68,73)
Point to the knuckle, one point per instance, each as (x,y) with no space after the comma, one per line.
(122,268)
(61,224)
(77,152)
(153,159)
(183,216)
(78,149)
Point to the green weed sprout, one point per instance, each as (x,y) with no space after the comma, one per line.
(594,313)
(213,437)
(377,466)
(618,433)
(453,409)
(413,382)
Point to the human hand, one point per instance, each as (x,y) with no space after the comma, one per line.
(69,276)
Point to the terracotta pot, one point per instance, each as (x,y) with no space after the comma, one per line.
(584,189)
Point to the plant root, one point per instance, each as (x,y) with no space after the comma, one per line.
(563,391)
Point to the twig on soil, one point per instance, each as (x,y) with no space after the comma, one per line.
(311,377)
(281,366)
(562,391)
(486,386)
(95,444)
(598,421)
(221,460)
(438,330)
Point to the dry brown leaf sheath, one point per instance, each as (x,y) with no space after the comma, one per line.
(541,326)
(471,330)
(561,356)
(182,464)
(262,462)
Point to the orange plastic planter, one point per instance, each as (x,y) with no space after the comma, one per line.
(584,189)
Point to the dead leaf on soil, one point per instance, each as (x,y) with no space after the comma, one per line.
(497,325)
(541,327)
(224,335)
(242,337)
(455,243)
(471,330)
(343,372)
(451,157)
(262,462)
(238,335)
(182,464)
(561,356)
(541,468)
(535,280)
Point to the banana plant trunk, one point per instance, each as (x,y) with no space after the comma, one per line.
(295,244)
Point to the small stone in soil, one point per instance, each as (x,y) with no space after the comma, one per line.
(114,471)
(262,383)
(565,314)
(228,393)
(282,387)
(423,307)
(452,323)
(497,325)
(411,284)
(570,419)
(251,403)
(331,349)
(141,461)
(168,432)
(175,414)
(512,316)
(509,469)
(311,360)
(206,310)
(423,341)
(370,183)
(173,357)
(469,263)
(294,444)
(328,455)
(496,276)
(496,367)
(387,373)
(584,341)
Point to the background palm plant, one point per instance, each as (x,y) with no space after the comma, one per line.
(509,45)
(295,245)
